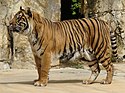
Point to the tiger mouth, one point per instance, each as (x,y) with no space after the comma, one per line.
(15,28)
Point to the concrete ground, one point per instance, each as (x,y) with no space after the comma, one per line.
(64,80)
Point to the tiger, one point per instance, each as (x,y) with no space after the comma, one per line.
(85,39)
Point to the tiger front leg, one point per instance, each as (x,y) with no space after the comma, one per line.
(38,66)
(43,71)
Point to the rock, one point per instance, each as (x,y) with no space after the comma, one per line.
(106,9)
(4,66)
(23,54)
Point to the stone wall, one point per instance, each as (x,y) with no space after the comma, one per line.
(23,54)
(109,10)
(113,11)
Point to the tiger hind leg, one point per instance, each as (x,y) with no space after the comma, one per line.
(110,70)
(105,59)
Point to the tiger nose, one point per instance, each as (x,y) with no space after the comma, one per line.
(11,26)
(12,22)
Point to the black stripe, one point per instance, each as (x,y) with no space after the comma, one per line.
(93,32)
(87,25)
(93,64)
(64,51)
(71,35)
(43,51)
(77,35)
(66,35)
(98,24)
(104,60)
(107,65)
(100,47)
(64,29)
(102,54)
(114,47)
(59,51)
(79,23)
(37,39)
(98,37)
(60,28)
(27,25)
(19,18)
(115,55)
(40,41)
(81,32)
(70,48)
(40,45)
(36,34)
(114,52)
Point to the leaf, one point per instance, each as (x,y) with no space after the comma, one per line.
(74,1)
(73,13)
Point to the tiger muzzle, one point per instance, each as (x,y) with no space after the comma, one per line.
(14,28)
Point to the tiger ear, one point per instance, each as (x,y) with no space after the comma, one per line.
(28,12)
(21,8)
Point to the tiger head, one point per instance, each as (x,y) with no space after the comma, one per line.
(21,22)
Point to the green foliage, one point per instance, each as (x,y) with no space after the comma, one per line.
(74,1)
(75,5)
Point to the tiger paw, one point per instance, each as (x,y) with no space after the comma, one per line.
(105,81)
(87,82)
(41,83)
